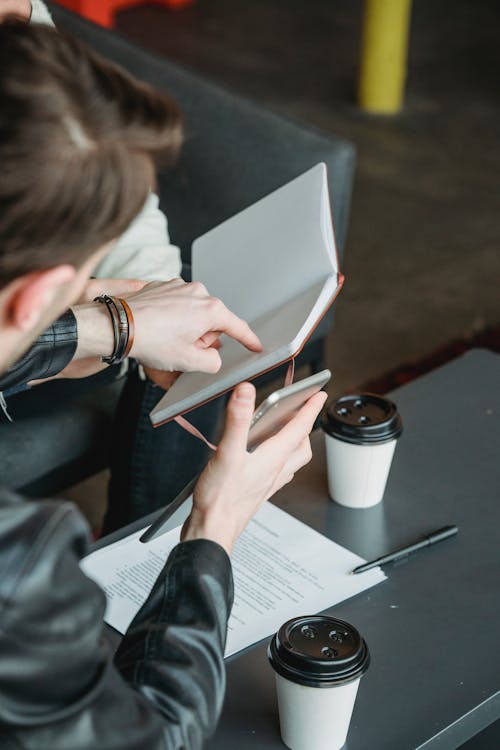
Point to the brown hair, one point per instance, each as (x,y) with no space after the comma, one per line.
(77,139)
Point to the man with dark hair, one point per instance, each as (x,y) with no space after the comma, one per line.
(144,251)
(88,141)
(60,686)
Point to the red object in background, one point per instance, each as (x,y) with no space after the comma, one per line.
(103,11)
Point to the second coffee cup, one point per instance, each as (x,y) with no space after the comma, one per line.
(361,432)
(318,663)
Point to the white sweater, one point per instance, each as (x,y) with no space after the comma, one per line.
(40,13)
(144,250)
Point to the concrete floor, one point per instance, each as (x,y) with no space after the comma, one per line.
(422,258)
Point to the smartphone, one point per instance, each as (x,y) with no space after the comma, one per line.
(268,419)
(282,405)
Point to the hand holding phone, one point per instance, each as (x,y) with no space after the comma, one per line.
(267,420)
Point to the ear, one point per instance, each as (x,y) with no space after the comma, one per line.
(35,292)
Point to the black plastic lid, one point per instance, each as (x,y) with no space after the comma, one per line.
(318,651)
(363,418)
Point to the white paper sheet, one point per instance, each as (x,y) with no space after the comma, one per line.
(282,568)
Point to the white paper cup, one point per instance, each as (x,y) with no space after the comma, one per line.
(312,717)
(318,663)
(357,474)
(361,433)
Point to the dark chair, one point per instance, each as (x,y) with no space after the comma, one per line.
(235,153)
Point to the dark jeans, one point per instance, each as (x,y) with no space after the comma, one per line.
(150,466)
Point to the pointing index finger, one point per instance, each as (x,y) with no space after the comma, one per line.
(229,323)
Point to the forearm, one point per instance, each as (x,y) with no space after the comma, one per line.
(95,331)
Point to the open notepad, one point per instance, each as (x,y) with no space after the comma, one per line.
(282,569)
(274,265)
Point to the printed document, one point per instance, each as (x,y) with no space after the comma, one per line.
(282,568)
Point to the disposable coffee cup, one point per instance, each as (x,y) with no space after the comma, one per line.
(318,662)
(361,432)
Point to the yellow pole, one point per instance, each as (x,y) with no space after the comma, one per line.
(384,52)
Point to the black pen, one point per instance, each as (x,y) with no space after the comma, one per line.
(426,541)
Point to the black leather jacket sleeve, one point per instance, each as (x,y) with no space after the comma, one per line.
(61,688)
(52,351)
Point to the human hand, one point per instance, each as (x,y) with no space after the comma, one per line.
(177,327)
(166,379)
(235,483)
(17,8)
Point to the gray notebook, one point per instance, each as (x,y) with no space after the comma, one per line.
(275,265)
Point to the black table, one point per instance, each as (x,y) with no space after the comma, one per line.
(433,626)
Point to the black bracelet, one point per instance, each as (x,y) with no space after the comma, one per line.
(120,322)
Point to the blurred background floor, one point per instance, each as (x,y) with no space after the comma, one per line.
(422,259)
